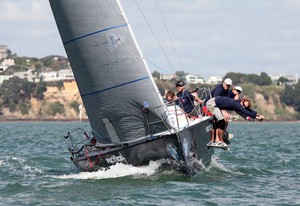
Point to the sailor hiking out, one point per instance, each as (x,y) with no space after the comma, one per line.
(220,90)
(216,104)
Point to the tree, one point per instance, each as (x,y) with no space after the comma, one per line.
(16,92)
(291,96)
(235,77)
(9,53)
(156,74)
(21,61)
(47,61)
(252,78)
(24,108)
(59,84)
(282,80)
(38,67)
(265,79)
(55,108)
(39,91)
(181,75)
(75,105)
(160,87)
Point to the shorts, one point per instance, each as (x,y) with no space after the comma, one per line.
(212,107)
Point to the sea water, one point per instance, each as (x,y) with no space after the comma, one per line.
(262,168)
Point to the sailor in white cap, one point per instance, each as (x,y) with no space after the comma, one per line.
(228,82)
(220,90)
(235,93)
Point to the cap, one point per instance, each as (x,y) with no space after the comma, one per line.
(179,83)
(228,81)
(238,88)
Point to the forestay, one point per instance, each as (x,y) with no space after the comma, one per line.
(110,72)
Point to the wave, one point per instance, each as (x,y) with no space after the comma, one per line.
(21,166)
(219,167)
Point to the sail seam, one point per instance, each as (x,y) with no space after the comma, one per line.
(90,34)
(116,86)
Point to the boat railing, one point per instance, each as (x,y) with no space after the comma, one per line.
(174,116)
(77,140)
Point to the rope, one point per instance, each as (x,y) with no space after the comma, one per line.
(87,156)
(157,66)
(155,36)
(93,163)
(191,101)
(169,36)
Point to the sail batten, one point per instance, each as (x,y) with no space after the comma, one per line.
(90,34)
(112,77)
(116,86)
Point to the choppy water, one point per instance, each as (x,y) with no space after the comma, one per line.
(262,168)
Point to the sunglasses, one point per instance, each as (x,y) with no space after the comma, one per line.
(238,91)
(179,85)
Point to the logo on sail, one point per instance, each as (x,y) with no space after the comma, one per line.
(113,41)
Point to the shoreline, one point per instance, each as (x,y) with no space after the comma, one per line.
(44,120)
(241,121)
(86,120)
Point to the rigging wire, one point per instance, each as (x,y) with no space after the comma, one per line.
(155,35)
(169,35)
(157,66)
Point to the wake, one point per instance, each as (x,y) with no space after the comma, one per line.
(215,165)
(116,171)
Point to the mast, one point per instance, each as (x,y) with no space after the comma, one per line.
(141,54)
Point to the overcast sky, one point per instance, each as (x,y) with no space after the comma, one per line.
(211,37)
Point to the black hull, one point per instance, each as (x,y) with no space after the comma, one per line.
(184,149)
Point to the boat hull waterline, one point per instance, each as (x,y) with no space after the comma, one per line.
(185,151)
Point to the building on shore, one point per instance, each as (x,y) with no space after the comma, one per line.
(167,76)
(6,63)
(214,80)
(30,75)
(61,75)
(194,79)
(291,79)
(3,51)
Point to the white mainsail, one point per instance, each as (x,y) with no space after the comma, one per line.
(111,75)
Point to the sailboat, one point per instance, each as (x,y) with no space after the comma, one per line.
(129,120)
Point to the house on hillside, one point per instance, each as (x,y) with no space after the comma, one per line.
(194,79)
(61,75)
(214,80)
(30,75)
(3,51)
(33,76)
(291,79)
(6,63)
(167,76)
